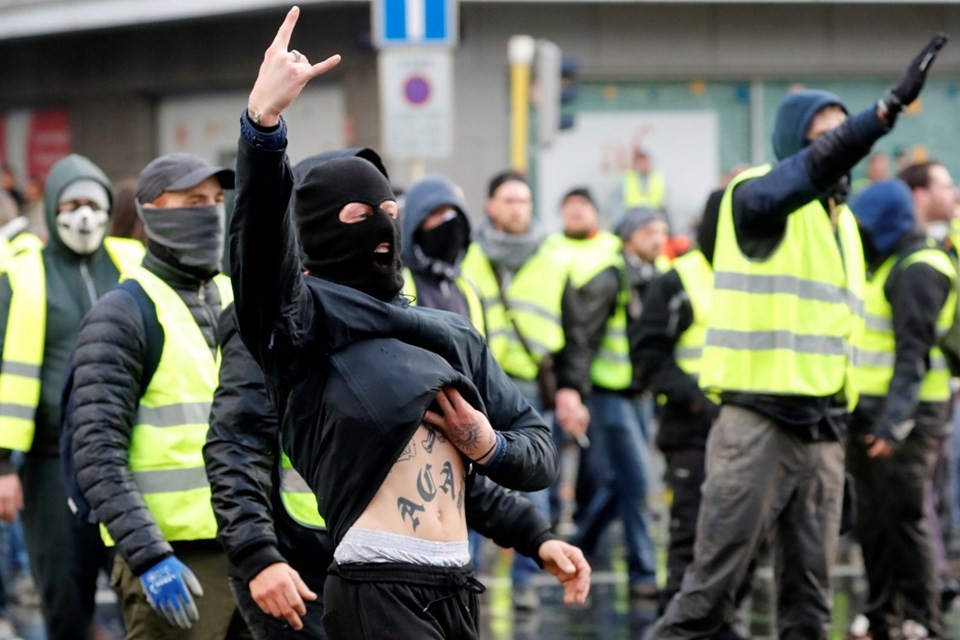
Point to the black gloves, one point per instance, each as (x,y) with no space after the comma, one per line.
(894,100)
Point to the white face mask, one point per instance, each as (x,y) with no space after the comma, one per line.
(938,230)
(82,229)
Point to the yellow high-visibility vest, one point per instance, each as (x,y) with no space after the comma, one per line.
(786,324)
(639,192)
(170,427)
(466,287)
(23,345)
(877,351)
(297,497)
(696,275)
(477,270)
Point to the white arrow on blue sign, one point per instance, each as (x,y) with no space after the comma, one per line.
(406,23)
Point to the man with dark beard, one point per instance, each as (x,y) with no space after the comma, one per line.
(385,410)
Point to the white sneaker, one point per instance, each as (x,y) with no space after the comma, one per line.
(859,628)
(914,631)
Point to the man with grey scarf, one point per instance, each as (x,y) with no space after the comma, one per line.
(144,372)
(503,243)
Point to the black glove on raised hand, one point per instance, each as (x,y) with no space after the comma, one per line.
(895,99)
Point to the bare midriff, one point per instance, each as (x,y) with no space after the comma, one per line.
(423,495)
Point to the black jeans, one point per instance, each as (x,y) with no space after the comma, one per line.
(264,626)
(894,533)
(65,555)
(401,602)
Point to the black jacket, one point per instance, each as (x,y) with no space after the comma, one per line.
(687,414)
(761,208)
(315,341)
(916,295)
(108,384)
(241,455)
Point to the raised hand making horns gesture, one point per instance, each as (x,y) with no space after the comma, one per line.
(283,75)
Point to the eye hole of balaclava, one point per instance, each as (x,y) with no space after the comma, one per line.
(364,255)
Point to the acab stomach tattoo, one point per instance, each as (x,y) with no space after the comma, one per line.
(423,495)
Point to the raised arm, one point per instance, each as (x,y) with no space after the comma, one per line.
(273,309)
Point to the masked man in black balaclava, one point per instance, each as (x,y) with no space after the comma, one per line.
(387,411)
(145,369)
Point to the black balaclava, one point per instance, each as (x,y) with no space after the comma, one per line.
(341,252)
(445,242)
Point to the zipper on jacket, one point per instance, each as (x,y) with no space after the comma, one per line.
(88,282)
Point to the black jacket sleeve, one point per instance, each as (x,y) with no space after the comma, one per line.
(507,518)
(240,457)
(276,315)
(916,295)
(529,460)
(585,311)
(667,313)
(761,206)
(108,368)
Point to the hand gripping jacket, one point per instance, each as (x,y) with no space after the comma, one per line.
(877,352)
(23,344)
(786,325)
(171,423)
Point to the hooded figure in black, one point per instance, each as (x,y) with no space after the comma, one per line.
(353,375)
(436,234)
(892,527)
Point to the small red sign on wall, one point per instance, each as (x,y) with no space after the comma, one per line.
(48,140)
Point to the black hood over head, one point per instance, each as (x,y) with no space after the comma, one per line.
(346,253)
(794,116)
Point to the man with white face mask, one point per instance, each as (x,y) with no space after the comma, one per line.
(145,368)
(43,297)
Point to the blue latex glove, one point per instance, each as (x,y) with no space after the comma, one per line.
(168,586)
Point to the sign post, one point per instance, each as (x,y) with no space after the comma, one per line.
(415,67)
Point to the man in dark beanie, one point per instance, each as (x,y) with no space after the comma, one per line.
(386,411)
(145,369)
(785,318)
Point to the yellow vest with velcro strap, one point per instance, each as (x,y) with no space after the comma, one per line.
(653,196)
(23,345)
(466,287)
(786,324)
(298,499)
(696,275)
(170,426)
(876,354)
(536,293)
(611,367)
(478,270)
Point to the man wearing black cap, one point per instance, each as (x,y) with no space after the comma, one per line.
(43,297)
(594,367)
(145,368)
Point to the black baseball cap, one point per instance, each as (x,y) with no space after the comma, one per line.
(177,172)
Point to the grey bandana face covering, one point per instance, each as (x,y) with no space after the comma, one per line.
(193,235)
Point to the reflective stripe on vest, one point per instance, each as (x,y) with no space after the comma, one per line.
(23,345)
(639,192)
(170,428)
(786,324)
(696,275)
(298,499)
(876,353)
(470,294)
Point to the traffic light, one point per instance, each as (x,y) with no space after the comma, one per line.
(556,91)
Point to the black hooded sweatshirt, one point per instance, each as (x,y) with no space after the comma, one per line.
(351,376)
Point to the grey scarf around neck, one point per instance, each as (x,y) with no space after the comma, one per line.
(508,250)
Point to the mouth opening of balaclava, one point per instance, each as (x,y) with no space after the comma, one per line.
(364,255)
